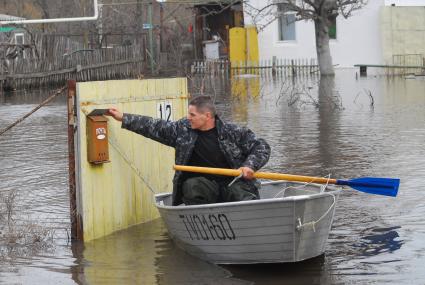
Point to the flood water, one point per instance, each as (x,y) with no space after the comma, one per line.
(346,128)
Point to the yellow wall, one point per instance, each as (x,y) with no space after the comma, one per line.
(115,195)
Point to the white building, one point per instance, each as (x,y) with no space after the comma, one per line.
(373,35)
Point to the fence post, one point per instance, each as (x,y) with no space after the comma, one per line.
(192,68)
(274,66)
(76,222)
(293,68)
(311,68)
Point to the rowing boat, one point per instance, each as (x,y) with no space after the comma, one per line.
(289,223)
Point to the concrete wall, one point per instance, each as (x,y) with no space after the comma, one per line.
(403,31)
(115,195)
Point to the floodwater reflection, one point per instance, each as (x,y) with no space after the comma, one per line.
(143,254)
(381,241)
(315,127)
(313,271)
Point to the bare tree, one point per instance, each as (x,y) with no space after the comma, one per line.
(321,12)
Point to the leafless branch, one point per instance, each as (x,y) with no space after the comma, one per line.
(304,10)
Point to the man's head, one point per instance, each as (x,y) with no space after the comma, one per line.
(201,113)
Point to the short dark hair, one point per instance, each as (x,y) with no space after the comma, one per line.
(203,103)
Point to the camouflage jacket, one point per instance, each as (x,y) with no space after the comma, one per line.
(239,144)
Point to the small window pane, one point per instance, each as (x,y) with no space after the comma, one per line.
(287,27)
(19,39)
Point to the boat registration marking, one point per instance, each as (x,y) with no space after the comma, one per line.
(208,226)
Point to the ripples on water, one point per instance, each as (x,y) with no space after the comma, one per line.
(374,239)
(34,161)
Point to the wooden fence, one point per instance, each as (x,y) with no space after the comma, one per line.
(66,59)
(281,67)
(101,64)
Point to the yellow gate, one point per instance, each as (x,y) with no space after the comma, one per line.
(119,193)
(243,46)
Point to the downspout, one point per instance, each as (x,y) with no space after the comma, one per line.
(57,20)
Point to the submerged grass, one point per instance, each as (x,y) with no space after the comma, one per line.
(19,236)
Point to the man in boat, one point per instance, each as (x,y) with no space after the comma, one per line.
(203,139)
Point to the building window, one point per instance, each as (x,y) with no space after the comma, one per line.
(286,22)
(332,28)
(19,39)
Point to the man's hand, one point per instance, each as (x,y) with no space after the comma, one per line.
(115,113)
(247,173)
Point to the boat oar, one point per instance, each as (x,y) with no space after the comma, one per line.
(372,185)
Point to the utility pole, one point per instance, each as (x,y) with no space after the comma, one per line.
(151,51)
(99,26)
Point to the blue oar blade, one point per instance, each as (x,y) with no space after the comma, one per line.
(373,185)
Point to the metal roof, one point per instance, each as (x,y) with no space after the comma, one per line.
(4,17)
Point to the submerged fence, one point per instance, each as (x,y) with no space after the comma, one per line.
(283,67)
(407,63)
